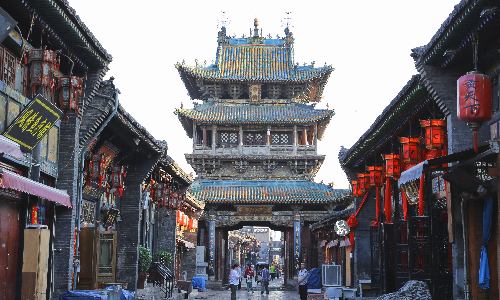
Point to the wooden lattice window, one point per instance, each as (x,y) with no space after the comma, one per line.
(228,139)
(281,138)
(255,138)
(8,67)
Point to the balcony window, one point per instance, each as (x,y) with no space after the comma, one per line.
(228,139)
(281,138)
(254,138)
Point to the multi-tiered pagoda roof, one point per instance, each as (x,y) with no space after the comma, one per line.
(255,134)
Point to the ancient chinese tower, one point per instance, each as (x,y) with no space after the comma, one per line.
(255,144)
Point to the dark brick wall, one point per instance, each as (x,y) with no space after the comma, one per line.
(64,224)
(362,249)
(128,236)
(165,240)
(189,257)
(65,218)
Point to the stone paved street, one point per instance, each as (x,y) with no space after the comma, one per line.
(275,293)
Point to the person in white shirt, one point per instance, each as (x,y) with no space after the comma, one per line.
(234,278)
(302,281)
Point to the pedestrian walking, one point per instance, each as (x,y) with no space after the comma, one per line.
(249,275)
(266,277)
(240,275)
(302,281)
(272,271)
(233,280)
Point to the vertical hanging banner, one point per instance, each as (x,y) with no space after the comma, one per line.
(211,247)
(296,246)
(34,122)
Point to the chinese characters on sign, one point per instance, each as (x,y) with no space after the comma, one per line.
(474,98)
(296,246)
(33,123)
(211,247)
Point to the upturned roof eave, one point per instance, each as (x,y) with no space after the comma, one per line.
(411,94)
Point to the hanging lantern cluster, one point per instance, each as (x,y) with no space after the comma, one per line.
(409,151)
(70,87)
(434,133)
(364,182)
(355,188)
(44,64)
(375,175)
(182,220)
(474,101)
(392,166)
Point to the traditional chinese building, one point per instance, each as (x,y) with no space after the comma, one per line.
(255,140)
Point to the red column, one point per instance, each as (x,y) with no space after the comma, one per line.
(387,201)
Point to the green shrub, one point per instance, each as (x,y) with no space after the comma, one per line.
(144,259)
(162,257)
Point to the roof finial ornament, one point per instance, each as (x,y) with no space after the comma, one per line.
(223,21)
(256,28)
(287,22)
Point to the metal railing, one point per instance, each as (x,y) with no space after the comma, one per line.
(163,277)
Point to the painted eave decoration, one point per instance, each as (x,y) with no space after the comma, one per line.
(280,191)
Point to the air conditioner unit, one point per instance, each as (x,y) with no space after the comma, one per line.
(332,275)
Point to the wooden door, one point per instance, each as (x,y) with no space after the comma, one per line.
(107,257)
(9,239)
(89,250)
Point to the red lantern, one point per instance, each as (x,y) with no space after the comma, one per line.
(355,188)
(410,149)
(168,199)
(97,168)
(69,89)
(434,133)
(364,182)
(392,167)
(474,101)
(159,194)
(375,175)
(191,224)
(44,63)
(117,178)
(179,217)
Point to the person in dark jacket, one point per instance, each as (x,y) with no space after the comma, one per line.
(266,277)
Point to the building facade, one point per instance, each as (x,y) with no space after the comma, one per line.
(255,140)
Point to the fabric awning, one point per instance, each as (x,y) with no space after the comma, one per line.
(10,147)
(412,173)
(17,182)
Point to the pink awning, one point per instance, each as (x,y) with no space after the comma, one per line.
(10,147)
(17,182)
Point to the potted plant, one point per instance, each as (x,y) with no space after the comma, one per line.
(144,263)
(162,257)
